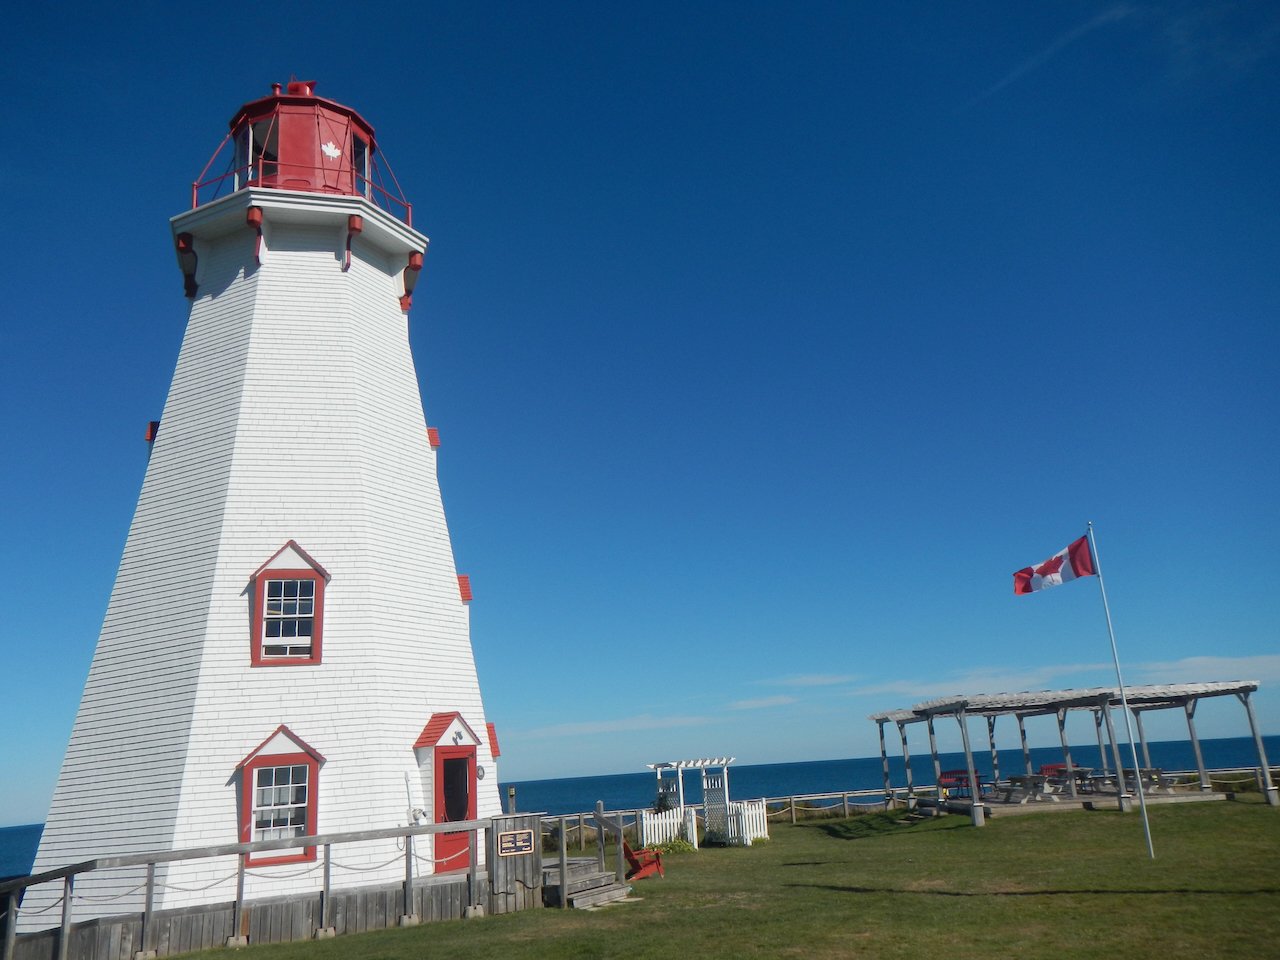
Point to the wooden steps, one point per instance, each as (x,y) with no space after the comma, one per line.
(587,885)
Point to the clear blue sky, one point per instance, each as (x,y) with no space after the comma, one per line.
(766,341)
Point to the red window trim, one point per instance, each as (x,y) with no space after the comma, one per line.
(257,657)
(248,775)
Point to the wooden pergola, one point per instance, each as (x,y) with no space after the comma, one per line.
(701,764)
(1098,700)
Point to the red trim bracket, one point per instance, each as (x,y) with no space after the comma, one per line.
(153,430)
(411,273)
(355,224)
(433,436)
(464,587)
(253,218)
(187,261)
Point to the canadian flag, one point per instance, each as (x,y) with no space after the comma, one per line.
(1075,561)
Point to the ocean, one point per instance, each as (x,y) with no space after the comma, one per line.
(633,791)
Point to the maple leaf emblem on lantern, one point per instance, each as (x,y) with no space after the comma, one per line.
(331,150)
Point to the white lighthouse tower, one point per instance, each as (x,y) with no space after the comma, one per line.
(287,650)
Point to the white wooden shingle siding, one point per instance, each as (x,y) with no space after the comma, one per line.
(294,414)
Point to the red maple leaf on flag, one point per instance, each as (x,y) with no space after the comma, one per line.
(1050,566)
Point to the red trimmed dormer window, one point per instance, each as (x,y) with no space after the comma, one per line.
(288,609)
(278,792)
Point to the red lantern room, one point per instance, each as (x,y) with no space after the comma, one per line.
(295,140)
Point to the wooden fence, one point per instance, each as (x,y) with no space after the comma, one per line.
(511,880)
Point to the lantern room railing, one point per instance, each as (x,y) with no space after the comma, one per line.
(278,175)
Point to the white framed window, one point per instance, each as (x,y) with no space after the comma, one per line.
(288,617)
(281,799)
(287,609)
(276,788)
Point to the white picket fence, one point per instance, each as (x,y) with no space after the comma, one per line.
(669,825)
(748,821)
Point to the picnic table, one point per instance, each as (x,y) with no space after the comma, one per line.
(1022,788)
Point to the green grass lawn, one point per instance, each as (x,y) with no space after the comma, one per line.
(1075,884)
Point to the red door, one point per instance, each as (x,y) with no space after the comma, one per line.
(455,779)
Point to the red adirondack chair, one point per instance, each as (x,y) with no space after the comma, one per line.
(642,863)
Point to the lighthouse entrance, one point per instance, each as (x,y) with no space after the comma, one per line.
(447,762)
(455,801)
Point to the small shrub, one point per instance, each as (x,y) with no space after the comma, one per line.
(675,845)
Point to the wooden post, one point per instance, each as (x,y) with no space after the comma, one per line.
(239,922)
(1142,739)
(792,801)
(620,869)
(995,756)
(1190,707)
(564,864)
(1026,750)
(326,928)
(1097,731)
(11,925)
(511,799)
(582,832)
(906,765)
(64,932)
(407,917)
(1066,754)
(473,909)
(1122,789)
(976,812)
(933,752)
(1268,788)
(600,841)
(844,802)
(884,766)
(144,951)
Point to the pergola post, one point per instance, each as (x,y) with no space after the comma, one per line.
(933,750)
(906,765)
(1268,787)
(1026,750)
(884,766)
(975,798)
(1142,740)
(1066,752)
(995,757)
(1189,705)
(1102,750)
(1122,786)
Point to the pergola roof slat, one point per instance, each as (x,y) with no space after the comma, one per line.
(1031,703)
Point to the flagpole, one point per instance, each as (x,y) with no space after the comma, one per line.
(1124,701)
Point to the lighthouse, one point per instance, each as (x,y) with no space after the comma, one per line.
(286,651)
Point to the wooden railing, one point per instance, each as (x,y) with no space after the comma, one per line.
(11,891)
(846,802)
